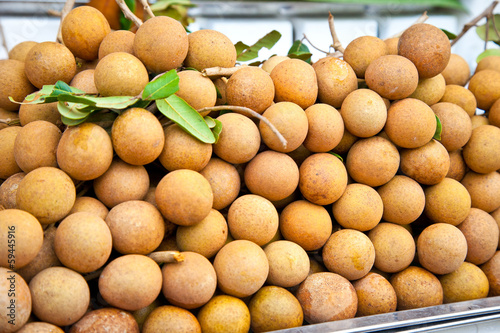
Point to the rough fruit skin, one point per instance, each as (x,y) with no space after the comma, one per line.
(466,283)
(108,319)
(22,299)
(161,43)
(224,313)
(485,85)
(14,83)
(336,79)
(209,48)
(481,151)
(375,295)
(448,201)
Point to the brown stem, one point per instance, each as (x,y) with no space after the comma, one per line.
(220,71)
(421,19)
(4,40)
(128,13)
(147,9)
(247,111)
(317,48)
(337,46)
(68,6)
(166,256)
(488,11)
(53,12)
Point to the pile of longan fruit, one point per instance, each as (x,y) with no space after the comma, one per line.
(385,196)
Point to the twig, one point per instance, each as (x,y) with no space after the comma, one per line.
(421,19)
(488,11)
(337,46)
(248,111)
(317,48)
(220,71)
(4,40)
(166,256)
(128,13)
(10,122)
(68,6)
(53,12)
(147,9)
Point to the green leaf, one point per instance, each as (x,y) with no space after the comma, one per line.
(210,122)
(164,4)
(240,47)
(111,102)
(162,87)
(487,53)
(181,113)
(306,56)
(439,129)
(492,35)
(125,23)
(448,34)
(70,111)
(217,129)
(337,155)
(300,51)
(252,52)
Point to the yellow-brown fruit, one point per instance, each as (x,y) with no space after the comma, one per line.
(190,283)
(460,96)
(481,232)
(458,168)
(117,41)
(403,199)
(242,268)
(8,190)
(336,80)
(456,125)
(21,299)
(360,207)
(20,50)
(492,270)
(206,237)
(161,43)
(364,113)
(489,62)
(360,52)
(137,227)
(375,295)
(120,74)
(485,85)
(250,87)
(327,297)
(325,128)
(392,45)
(427,47)
(85,81)
(183,151)
(394,247)
(224,180)
(83,242)
(25,232)
(209,48)
(13,83)
(137,136)
(47,193)
(40,327)
(430,90)
(484,190)
(184,197)
(253,218)
(106,320)
(457,71)
(240,140)
(221,84)
(288,263)
(349,253)
(345,143)
(130,282)
(85,151)
(121,182)
(90,205)
(270,63)
(60,296)
(306,224)
(323,178)
(441,248)
(478,120)
(447,202)
(494,114)
(169,318)
(427,164)
(466,283)
(372,161)
(295,81)
(8,165)
(272,175)
(274,308)
(49,62)
(29,155)
(410,123)
(224,314)
(481,151)
(290,120)
(416,288)
(392,77)
(83,30)
(197,90)
(46,111)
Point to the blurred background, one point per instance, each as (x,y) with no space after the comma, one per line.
(247,21)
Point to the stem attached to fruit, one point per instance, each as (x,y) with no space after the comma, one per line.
(486,13)
(337,45)
(220,71)
(147,9)
(421,19)
(247,111)
(166,256)
(128,13)
(68,6)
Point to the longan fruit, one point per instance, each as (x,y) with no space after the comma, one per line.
(494,114)
(492,270)
(16,305)
(460,96)
(90,205)
(224,314)
(489,62)
(14,82)
(224,180)
(485,85)
(360,52)
(448,202)
(117,41)
(108,319)
(274,60)
(209,48)
(85,81)
(457,71)
(169,318)
(484,190)
(325,128)
(364,113)
(481,151)
(8,165)
(40,327)
(392,45)
(375,295)
(197,90)
(456,125)
(458,168)
(466,283)
(8,190)
(288,263)
(430,90)
(33,112)
(20,50)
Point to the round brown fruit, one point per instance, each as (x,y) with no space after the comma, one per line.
(457,71)
(209,48)
(197,90)
(466,283)
(456,125)
(33,112)
(224,313)
(427,164)
(364,113)
(90,205)
(460,96)
(336,80)
(360,52)
(40,327)
(169,318)
(492,270)
(224,180)
(325,128)
(489,62)
(458,168)
(20,50)
(21,299)
(484,190)
(430,90)
(109,320)
(8,190)
(117,41)
(447,202)
(494,114)
(485,85)
(274,60)
(288,263)
(8,165)
(481,151)
(13,83)
(375,295)
(85,81)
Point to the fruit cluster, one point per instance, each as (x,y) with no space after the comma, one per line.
(376,188)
